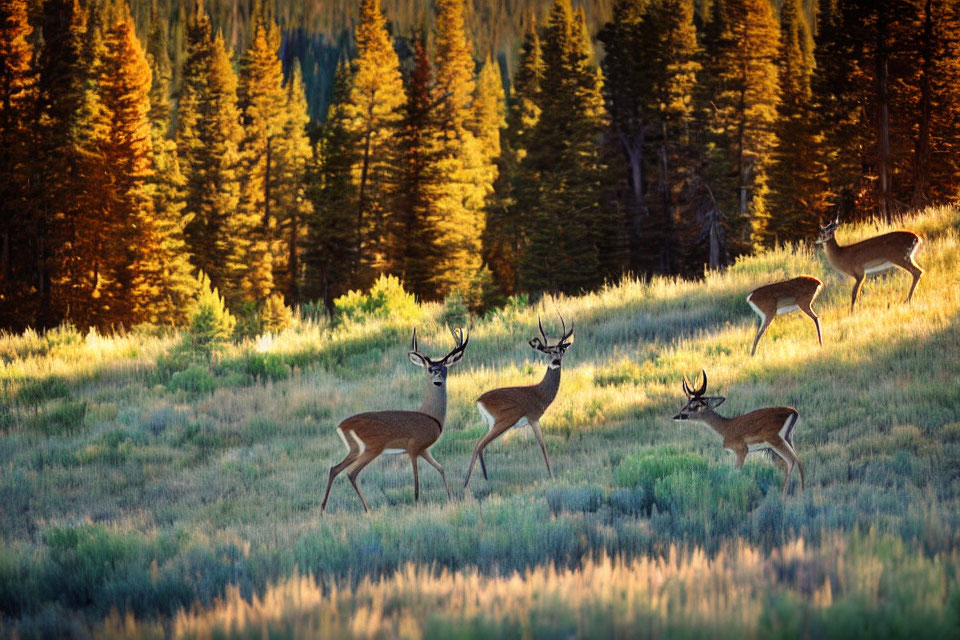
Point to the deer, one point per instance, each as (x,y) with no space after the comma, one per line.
(516,407)
(764,429)
(888,250)
(778,298)
(368,435)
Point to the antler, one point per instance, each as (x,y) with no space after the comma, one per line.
(413,343)
(565,334)
(543,334)
(460,340)
(695,393)
(703,387)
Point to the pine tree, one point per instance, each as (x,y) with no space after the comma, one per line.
(158,55)
(466,179)
(18,241)
(489,113)
(332,226)
(568,226)
(504,236)
(208,139)
(746,112)
(256,243)
(798,179)
(372,115)
(417,184)
(292,154)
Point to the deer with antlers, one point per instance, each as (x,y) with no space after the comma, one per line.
(894,249)
(368,435)
(770,428)
(778,298)
(515,407)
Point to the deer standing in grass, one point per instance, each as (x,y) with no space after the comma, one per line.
(368,435)
(894,249)
(770,428)
(514,407)
(783,297)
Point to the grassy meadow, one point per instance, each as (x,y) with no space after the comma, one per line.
(145,495)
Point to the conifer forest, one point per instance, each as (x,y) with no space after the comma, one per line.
(237,237)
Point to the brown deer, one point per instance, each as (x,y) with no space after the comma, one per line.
(894,249)
(771,300)
(368,435)
(515,407)
(770,428)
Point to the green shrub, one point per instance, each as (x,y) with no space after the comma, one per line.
(386,299)
(211,324)
(37,392)
(643,470)
(60,419)
(265,366)
(194,379)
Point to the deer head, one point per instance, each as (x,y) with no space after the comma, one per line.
(437,369)
(697,403)
(827,231)
(542,344)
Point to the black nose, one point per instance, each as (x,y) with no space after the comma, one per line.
(438,383)
(680,416)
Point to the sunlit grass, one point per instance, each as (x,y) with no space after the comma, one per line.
(195,476)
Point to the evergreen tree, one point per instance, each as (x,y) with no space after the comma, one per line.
(515,188)
(332,226)
(465,178)
(746,111)
(568,225)
(256,243)
(417,185)
(372,115)
(158,55)
(798,178)
(208,139)
(292,154)
(18,241)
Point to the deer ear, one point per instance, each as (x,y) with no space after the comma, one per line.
(418,359)
(717,401)
(536,344)
(568,341)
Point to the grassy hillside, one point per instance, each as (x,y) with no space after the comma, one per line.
(141,494)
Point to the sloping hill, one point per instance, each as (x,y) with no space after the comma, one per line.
(134,481)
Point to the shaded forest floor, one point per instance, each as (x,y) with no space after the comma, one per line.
(142,494)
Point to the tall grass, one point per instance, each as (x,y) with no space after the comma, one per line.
(187,477)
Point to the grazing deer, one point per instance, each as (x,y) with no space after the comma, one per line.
(770,428)
(368,435)
(894,249)
(783,297)
(514,407)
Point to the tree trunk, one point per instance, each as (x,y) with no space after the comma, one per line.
(922,160)
(883,133)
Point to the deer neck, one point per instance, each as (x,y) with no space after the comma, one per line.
(547,389)
(716,422)
(833,251)
(435,402)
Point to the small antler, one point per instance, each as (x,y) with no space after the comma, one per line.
(413,343)
(695,393)
(686,387)
(543,334)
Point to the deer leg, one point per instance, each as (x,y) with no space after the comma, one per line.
(365,458)
(495,431)
(535,425)
(765,321)
(807,308)
(856,291)
(334,472)
(741,453)
(436,465)
(914,269)
(784,451)
(483,467)
(416,478)
(796,459)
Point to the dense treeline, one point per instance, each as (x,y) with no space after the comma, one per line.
(135,160)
